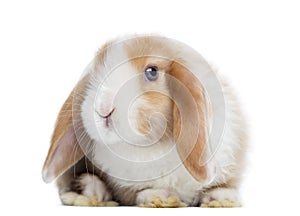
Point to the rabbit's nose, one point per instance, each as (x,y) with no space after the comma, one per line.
(107,115)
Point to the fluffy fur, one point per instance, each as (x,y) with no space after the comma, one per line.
(142,153)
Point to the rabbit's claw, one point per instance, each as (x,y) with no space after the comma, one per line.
(170,202)
(221,204)
(75,199)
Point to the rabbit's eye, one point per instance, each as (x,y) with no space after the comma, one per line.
(151,73)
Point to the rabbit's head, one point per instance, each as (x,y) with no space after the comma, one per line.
(139,102)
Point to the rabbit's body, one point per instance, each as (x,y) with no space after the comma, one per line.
(137,168)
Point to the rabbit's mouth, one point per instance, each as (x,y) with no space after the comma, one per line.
(106,117)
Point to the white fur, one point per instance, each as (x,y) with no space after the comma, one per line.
(120,158)
(93,186)
(146,196)
(221,195)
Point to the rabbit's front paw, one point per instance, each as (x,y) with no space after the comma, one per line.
(220,198)
(158,198)
(89,190)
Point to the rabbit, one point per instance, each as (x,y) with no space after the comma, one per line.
(151,124)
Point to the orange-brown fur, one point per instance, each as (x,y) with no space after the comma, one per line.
(159,103)
(183,143)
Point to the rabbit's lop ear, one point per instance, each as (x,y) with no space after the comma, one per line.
(64,150)
(189,126)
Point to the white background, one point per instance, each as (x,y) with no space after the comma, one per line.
(45,45)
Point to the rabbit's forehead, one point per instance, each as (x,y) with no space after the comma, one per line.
(146,51)
(137,53)
(148,46)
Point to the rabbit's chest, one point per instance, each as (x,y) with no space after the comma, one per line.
(159,167)
(178,183)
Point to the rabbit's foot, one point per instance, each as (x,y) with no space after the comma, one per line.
(75,199)
(158,198)
(88,190)
(221,204)
(220,198)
